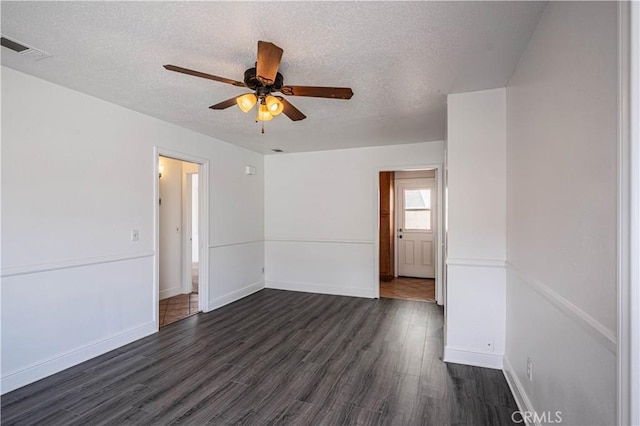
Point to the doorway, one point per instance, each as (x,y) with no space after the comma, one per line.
(408,240)
(179,229)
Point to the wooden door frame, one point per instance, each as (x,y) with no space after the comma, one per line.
(203,227)
(439,168)
(386,251)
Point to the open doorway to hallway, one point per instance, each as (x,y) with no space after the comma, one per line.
(178,240)
(408,234)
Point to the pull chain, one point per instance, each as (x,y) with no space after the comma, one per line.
(258,116)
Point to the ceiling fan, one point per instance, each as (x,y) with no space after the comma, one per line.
(264,79)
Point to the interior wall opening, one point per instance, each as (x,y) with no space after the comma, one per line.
(408,227)
(178,242)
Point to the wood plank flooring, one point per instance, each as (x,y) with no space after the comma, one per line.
(276,357)
(407,288)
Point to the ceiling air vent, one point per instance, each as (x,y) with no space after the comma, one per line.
(23,49)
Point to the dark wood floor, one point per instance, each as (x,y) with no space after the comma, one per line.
(276,357)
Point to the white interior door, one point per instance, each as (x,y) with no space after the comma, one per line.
(416,219)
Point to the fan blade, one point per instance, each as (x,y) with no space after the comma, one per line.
(318,92)
(225,104)
(203,75)
(269,56)
(290,111)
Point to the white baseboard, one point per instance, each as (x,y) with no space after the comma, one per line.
(519,394)
(234,295)
(469,357)
(35,372)
(322,289)
(170,292)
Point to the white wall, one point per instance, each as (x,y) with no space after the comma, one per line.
(561,250)
(170,222)
(476,165)
(321,218)
(190,209)
(78,174)
(194,218)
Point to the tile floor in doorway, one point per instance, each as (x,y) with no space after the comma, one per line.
(419,289)
(178,307)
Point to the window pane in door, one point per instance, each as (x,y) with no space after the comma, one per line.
(417,219)
(417,199)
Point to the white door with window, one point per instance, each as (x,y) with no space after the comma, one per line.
(416,221)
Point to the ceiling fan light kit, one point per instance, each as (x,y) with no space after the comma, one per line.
(246,102)
(264,114)
(264,80)
(274,105)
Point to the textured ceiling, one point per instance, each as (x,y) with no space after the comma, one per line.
(400,59)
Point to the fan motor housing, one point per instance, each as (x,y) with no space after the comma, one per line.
(253,83)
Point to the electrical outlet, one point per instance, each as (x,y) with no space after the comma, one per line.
(135,235)
(263,270)
(488,344)
(530,369)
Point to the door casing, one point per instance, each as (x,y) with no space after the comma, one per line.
(438,167)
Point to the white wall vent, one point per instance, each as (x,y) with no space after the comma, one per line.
(24,49)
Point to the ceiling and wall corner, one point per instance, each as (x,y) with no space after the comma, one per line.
(400,58)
